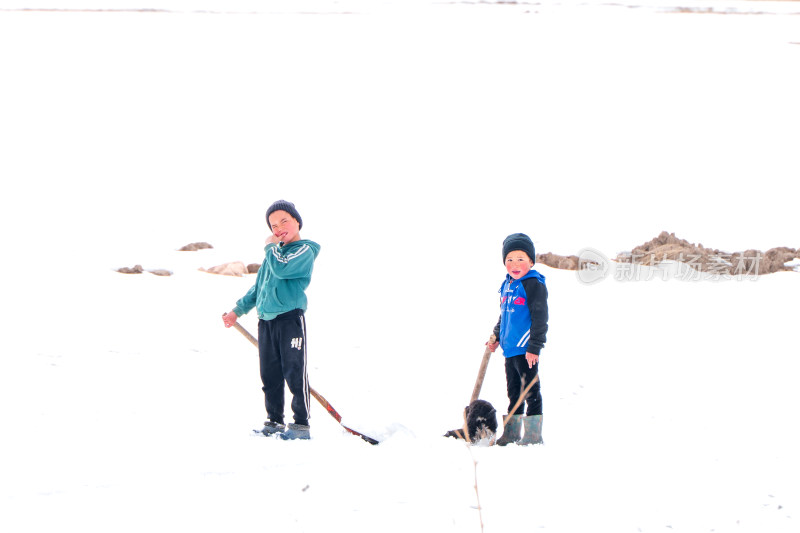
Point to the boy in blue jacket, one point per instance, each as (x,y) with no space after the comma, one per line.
(280,299)
(521,332)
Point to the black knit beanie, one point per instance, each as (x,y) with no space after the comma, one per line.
(519,241)
(283,205)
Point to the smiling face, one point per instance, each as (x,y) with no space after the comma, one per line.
(518,264)
(284,226)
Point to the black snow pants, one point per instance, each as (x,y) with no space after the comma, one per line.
(282,354)
(518,375)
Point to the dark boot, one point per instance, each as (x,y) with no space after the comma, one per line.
(271,428)
(532,430)
(511,431)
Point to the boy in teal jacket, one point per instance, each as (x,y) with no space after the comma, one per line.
(280,300)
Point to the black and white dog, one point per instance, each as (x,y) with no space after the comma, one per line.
(480,419)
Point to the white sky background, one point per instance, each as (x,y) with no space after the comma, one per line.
(583,127)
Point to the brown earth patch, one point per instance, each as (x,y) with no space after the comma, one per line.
(667,247)
(193,247)
(236,268)
(128,270)
(564,262)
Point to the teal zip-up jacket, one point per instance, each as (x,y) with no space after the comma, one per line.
(282,280)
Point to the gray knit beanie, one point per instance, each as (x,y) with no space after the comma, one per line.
(519,241)
(283,205)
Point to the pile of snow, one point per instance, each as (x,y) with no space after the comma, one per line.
(794,264)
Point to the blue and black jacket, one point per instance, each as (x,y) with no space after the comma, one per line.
(522,326)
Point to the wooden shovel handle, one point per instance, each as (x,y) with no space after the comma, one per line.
(487,354)
(246,333)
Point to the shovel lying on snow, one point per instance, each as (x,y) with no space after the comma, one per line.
(321,399)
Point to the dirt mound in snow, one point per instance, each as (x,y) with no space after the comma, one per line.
(668,247)
(564,262)
(195,246)
(138,269)
(235,268)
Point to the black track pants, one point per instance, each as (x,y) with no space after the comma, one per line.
(518,375)
(282,353)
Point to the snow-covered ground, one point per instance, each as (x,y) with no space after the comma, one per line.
(412,141)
